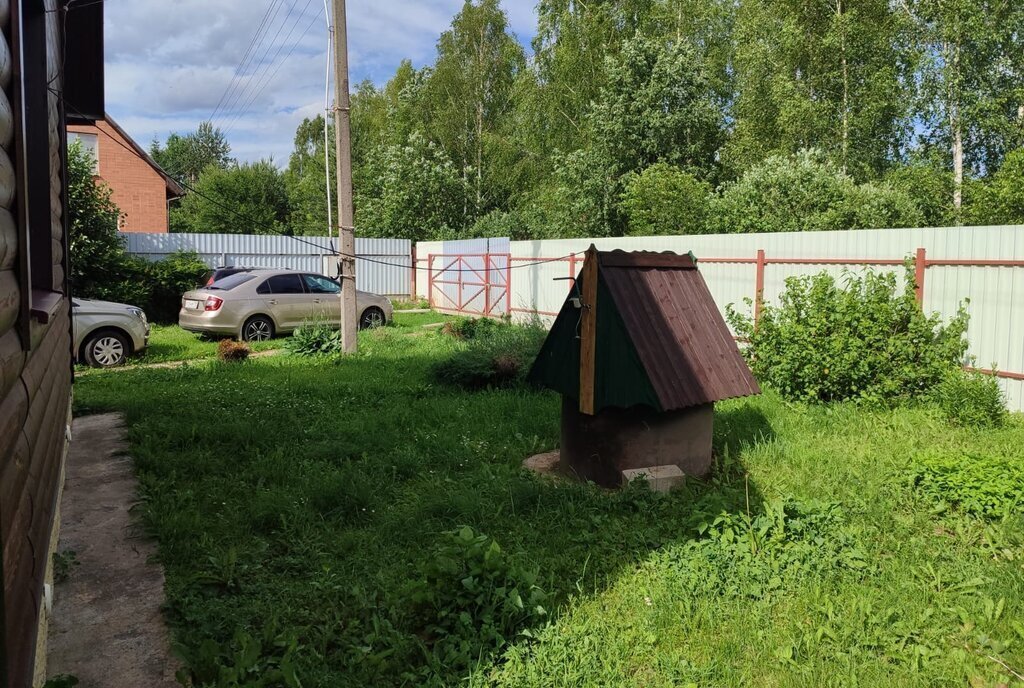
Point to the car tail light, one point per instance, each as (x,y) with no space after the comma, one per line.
(213,303)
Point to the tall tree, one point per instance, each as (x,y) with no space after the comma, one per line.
(305,179)
(468,92)
(831,75)
(658,105)
(971,81)
(242,199)
(570,49)
(185,157)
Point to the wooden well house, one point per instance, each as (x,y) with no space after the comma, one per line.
(640,354)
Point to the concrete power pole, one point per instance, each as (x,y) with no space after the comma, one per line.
(343,146)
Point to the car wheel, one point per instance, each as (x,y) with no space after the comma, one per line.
(258,328)
(372,317)
(106,349)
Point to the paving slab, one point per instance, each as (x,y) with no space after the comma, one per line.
(107,629)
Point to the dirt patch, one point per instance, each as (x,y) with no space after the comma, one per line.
(107,629)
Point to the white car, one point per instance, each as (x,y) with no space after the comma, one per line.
(106,333)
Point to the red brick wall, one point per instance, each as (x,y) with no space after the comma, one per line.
(137,189)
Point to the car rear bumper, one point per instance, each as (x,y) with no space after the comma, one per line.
(206,322)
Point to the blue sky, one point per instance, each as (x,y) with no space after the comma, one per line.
(168,64)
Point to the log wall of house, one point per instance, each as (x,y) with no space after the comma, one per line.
(35,352)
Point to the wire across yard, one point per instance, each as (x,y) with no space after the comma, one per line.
(303,511)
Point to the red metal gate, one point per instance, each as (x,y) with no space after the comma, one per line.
(471,283)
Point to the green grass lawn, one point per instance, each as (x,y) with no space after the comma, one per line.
(170,343)
(299,506)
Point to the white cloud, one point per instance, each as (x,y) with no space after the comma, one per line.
(169,64)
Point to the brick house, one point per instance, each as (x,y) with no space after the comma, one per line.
(139,187)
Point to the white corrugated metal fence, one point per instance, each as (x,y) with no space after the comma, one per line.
(382,265)
(982,267)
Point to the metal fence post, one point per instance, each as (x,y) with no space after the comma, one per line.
(430,279)
(412,271)
(487,283)
(759,286)
(920,265)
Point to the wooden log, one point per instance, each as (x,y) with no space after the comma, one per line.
(15,504)
(5,63)
(8,240)
(10,300)
(12,361)
(8,182)
(13,412)
(41,356)
(6,123)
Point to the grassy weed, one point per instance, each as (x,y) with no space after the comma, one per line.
(352,523)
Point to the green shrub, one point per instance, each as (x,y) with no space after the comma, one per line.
(231,351)
(493,355)
(473,599)
(470,328)
(411,304)
(971,399)
(983,486)
(264,660)
(861,341)
(167,280)
(314,338)
(744,555)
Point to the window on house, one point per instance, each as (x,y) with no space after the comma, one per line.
(91,144)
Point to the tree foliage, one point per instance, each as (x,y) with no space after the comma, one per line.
(101,268)
(185,157)
(243,199)
(636,116)
(665,200)
(806,192)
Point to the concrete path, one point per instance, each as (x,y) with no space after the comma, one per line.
(106,627)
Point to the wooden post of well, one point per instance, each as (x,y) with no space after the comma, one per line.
(588,331)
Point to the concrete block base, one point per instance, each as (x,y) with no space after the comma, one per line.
(660,478)
(599,448)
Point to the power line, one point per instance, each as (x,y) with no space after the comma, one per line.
(272,230)
(268,77)
(264,64)
(256,58)
(260,30)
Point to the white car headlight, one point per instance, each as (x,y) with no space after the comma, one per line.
(138,313)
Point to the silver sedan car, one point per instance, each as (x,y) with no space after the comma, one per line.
(107,333)
(255,305)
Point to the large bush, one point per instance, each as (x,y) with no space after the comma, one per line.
(806,192)
(863,340)
(166,280)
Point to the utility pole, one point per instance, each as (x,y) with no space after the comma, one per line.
(343,146)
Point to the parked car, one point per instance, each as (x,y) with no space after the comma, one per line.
(219,273)
(106,333)
(258,304)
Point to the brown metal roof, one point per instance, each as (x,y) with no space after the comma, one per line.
(680,336)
